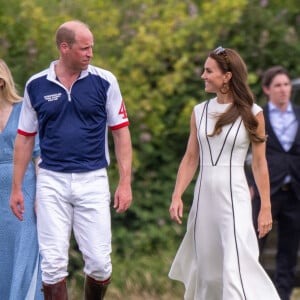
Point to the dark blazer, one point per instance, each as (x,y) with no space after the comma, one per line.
(280,162)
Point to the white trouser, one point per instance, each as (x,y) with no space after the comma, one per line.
(78,201)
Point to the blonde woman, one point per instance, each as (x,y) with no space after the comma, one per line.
(19,256)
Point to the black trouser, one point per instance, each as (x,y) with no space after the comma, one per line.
(286,212)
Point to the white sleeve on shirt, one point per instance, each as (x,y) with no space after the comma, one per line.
(256,109)
(28,123)
(116,111)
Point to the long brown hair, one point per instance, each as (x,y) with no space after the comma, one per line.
(229,60)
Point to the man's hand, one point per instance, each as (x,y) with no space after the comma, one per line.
(123,198)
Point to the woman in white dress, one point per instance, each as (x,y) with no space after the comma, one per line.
(218,257)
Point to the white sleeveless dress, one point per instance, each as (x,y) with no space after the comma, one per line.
(218,257)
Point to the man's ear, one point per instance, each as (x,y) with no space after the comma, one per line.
(266,90)
(64,46)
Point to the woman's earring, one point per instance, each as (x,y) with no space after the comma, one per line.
(225,88)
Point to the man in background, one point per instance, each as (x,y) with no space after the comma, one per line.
(282,120)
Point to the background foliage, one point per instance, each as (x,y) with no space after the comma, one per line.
(157,50)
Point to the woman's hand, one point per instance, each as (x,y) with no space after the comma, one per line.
(176,210)
(264,221)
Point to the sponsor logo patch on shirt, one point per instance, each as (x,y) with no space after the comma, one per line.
(52,97)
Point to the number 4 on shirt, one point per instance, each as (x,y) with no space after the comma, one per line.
(122,111)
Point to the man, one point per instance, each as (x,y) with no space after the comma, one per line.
(71,105)
(283,155)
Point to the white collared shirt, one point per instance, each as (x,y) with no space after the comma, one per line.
(284,124)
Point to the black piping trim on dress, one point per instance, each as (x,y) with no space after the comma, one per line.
(200,174)
(233,214)
(230,179)
(231,194)
(207,138)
